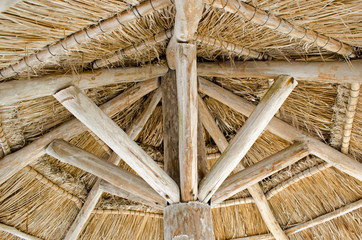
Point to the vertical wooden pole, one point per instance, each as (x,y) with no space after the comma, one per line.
(188,221)
(186,78)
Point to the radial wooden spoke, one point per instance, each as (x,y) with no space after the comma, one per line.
(14,162)
(109,132)
(333,72)
(16,232)
(278,127)
(246,137)
(280,25)
(257,172)
(255,190)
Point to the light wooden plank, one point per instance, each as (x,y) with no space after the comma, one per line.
(16,232)
(14,162)
(255,190)
(257,172)
(113,174)
(21,90)
(109,132)
(186,79)
(278,127)
(6,4)
(333,72)
(246,137)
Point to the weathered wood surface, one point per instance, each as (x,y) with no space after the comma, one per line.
(85,35)
(143,117)
(334,72)
(280,25)
(278,127)
(188,221)
(170,126)
(109,132)
(202,161)
(108,171)
(20,90)
(186,79)
(257,172)
(17,232)
(314,222)
(188,15)
(14,162)
(6,4)
(255,190)
(171,52)
(246,136)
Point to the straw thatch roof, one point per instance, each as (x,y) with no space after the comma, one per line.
(44,198)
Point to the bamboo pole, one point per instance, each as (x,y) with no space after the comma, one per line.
(255,190)
(350,112)
(14,162)
(333,72)
(246,137)
(314,222)
(16,232)
(237,49)
(276,126)
(85,35)
(280,25)
(121,54)
(108,131)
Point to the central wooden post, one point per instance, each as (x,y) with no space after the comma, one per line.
(188,221)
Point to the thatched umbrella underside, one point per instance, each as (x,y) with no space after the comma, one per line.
(316,108)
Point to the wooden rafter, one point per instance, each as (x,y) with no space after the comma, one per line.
(280,25)
(246,137)
(257,172)
(255,190)
(350,112)
(278,127)
(334,72)
(6,4)
(120,55)
(314,222)
(108,131)
(20,90)
(85,35)
(14,162)
(16,232)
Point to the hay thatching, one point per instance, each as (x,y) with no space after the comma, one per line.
(316,108)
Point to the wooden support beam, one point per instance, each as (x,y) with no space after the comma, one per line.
(109,132)
(184,221)
(350,112)
(170,126)
(136,48)
(16,232)
(188,15)
(334,72)
(21,90)
(14,162)
(257,172)
(278,127)
(314,222)
(246,137)
(6,4)
(280,25)
(103,169)
(202,160)
(142,118)
(84,36)
(255,190)
(234,48)
(186,79)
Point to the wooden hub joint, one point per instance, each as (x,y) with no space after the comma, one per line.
(188,221)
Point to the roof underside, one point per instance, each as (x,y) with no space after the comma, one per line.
(317,108)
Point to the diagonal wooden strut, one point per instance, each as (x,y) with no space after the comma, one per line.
(14,162)
(109,132)
(246,137)
(278,127)
(255,190)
